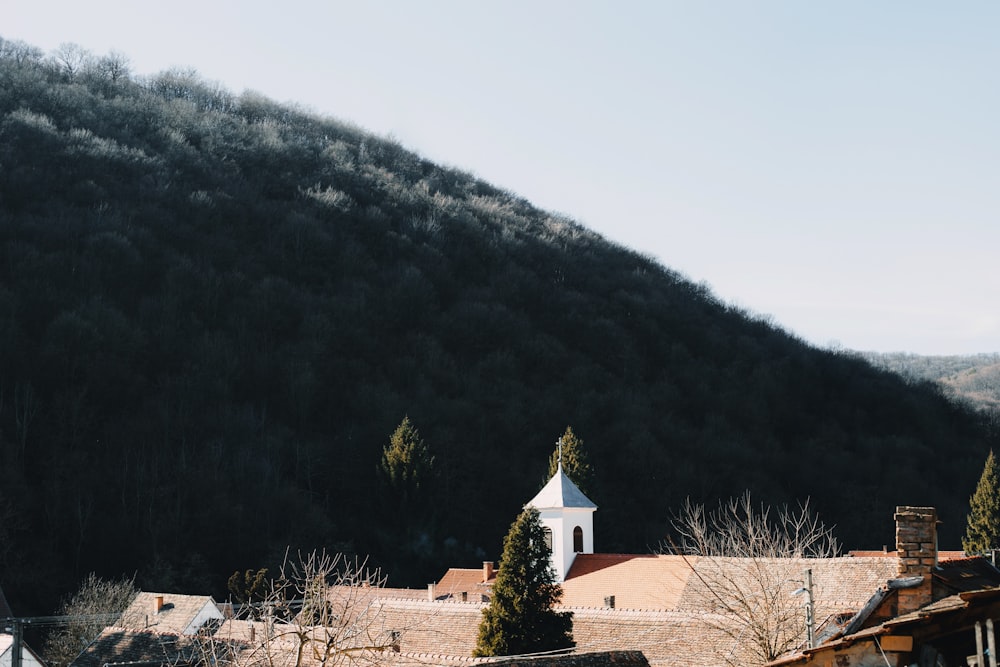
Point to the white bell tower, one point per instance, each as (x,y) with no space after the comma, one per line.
(568,517)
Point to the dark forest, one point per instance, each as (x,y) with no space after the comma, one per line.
(216,309)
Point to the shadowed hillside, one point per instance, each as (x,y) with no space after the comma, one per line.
(215,309)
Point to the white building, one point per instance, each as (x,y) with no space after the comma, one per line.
(568,517)
(28,657)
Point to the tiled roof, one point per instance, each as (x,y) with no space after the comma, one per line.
(684,583)
(446,632)
(175,616)
(967,574)
(434,628)
(278,644)
(973,605)
(839,584)
(883,553)
(116,645)
(463,580)
(636,581)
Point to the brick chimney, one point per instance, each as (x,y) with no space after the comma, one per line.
(157,604)
(487,570)
(916,549)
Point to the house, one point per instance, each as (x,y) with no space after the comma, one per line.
(171,613)
(28,657)
(146,648)
(934,613)
(160,629)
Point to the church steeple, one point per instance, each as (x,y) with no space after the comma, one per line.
(568,515)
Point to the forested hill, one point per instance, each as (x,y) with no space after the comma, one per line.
(973,379)
(215,309)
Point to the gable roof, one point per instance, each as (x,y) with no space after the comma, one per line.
(463,580)
(179,614)
(117,645)
(561,492)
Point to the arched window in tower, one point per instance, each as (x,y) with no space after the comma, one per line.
(548,538)
(578,540)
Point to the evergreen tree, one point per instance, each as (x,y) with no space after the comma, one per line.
(519,618)
(574,461)
(983,523)
(248,587)
(406,464)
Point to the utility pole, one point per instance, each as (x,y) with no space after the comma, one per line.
(16,627)
(807,588)
(810,617)
(16,646)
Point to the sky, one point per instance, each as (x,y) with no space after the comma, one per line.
(832,165)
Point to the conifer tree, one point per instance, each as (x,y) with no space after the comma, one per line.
(519,618)
(407,464)
(983,523)
(574,461)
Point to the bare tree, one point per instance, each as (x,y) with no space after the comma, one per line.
(97,603)
(323,609)
(70,59)
(113,67)
(747,562)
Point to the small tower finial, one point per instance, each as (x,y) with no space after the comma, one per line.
(559,443)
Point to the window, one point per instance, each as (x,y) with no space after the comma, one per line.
(548,538)
(578,540)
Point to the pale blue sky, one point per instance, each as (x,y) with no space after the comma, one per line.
(833,164)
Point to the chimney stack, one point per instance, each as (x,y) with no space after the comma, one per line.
(431,593)
(157,604)
(487,571)
(916,550)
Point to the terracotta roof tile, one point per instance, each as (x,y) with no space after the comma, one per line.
(636,581)
(463,580)
(882,553)
(177,615)
(116,645)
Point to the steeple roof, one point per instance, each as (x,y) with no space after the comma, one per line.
(560,491)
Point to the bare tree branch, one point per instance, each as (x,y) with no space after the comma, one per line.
(748,561)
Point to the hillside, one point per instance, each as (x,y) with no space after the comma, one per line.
(974,379)
(215,309)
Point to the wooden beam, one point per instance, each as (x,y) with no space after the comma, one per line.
(991,642)
(979,644)
(897,643)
